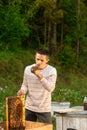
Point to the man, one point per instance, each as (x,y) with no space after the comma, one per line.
(38,83)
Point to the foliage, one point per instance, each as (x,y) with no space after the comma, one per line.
(13,25)
(71,86)
(67,57)
(74,97)
(31,23)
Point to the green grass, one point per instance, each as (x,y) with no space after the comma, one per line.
(70,87)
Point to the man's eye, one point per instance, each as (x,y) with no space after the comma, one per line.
(38,59)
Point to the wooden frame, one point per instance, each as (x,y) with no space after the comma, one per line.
(37,126)
(15,113)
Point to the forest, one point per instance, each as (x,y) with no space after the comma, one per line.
(57,25)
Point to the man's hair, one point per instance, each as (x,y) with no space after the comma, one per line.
(43,52)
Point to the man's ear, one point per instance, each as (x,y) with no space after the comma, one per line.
(48,59)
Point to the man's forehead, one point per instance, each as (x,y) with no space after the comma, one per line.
(37,54)
(40,55)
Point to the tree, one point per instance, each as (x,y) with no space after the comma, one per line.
(13,24)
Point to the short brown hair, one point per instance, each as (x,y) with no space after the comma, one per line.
(43,52)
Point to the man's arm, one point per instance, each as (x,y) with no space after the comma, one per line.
(23,89)
(49,82)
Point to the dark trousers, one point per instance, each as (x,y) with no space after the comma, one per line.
(44,117)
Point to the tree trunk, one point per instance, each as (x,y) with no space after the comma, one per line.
(54,41)
(62,31)
(45,38)
(49,36)
(78,26)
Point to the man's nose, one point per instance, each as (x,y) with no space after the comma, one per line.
(39,61)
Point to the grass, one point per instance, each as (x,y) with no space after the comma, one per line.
(54,123)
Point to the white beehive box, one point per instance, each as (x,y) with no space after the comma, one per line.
(59,105)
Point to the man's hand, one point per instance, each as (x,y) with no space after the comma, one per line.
(35,70)
(20,92)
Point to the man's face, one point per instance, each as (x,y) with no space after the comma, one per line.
(41,60)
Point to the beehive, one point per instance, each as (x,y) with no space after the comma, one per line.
(15,113)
